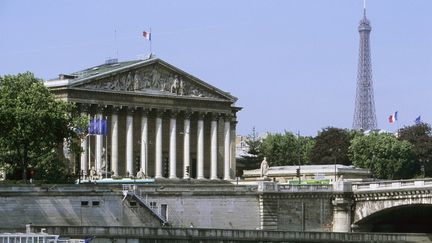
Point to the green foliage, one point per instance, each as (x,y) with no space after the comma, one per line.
(33,122)
(253,160)
(331,146)
(254,142)
(420,136)
(52,168)
(286,149)
(383,154)
(306,145)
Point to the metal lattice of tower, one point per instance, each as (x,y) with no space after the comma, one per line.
(364,113)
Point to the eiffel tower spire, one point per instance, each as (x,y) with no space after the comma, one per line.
(364,113)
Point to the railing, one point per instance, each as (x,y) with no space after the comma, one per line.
(225,235)
(304,188)
(129,190)
(386,185)
(269,186)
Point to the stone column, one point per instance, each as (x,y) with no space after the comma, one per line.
(144,142)
(114,141)
(84,157)
(342,214)
(186,147)
(213,148)
(227,147)
(99,146)
(84,162)
(129,142)
(200,145)
(158,148)
(173,146)
(233,165)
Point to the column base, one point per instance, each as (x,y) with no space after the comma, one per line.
(173,177)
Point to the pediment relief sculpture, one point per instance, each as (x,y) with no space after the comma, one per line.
(151,79)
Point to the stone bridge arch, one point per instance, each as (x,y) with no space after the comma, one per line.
(369,204)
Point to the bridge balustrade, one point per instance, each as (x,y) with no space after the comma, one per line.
(391,185)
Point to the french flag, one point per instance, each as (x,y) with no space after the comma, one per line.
(393,117)
(147,35)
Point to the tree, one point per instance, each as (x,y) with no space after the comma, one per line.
(384,155)
(420,136)
(331,146)
(253,142)
(252,159)
(286,149)
(33,123)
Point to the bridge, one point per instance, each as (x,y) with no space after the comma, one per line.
(393,206)
(376,206)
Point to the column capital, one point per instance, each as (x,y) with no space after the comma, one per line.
(187,114)
(215,116)
(145,111)
(101,108)
(159,112)
(116,109)
(131,109)
(201,115)
(174,113)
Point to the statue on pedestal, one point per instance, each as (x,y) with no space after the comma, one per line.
(93,175)
(264,168)
(141,174)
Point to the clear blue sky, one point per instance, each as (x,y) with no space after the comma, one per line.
(291,63)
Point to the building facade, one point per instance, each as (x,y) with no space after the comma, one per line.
(162,122)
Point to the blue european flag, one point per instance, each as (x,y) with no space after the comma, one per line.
(98,127)
(418,120)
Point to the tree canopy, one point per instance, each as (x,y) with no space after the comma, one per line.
(286,149)
(420,136)
(33,122)
(384,155)
(331,146)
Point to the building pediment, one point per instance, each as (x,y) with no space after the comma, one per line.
(148,77)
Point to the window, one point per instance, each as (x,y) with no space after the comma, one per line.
(84,203)
(95,203)
(132,203)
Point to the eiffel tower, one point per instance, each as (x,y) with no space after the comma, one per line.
(364,113)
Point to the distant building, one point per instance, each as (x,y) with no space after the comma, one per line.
(285,174)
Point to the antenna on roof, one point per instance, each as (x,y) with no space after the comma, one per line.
(115,43)
(364,7)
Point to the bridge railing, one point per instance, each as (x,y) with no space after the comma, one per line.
(384,185)
(268,186)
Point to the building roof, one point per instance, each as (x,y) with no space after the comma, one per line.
(84,79)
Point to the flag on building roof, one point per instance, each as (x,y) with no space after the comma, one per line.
(147,35)
(418,120)
(393,117)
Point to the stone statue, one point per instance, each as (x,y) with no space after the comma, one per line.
(155,78)
(136,82)
(141,174)
(93,175)
(181,88)
(175,86)
(264,168)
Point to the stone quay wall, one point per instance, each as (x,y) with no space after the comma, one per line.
(193,205)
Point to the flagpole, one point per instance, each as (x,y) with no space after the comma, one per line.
(106,146)
(150,39)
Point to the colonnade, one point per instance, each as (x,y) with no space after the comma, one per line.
(100,160)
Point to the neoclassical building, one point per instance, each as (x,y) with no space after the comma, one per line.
(162,121)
